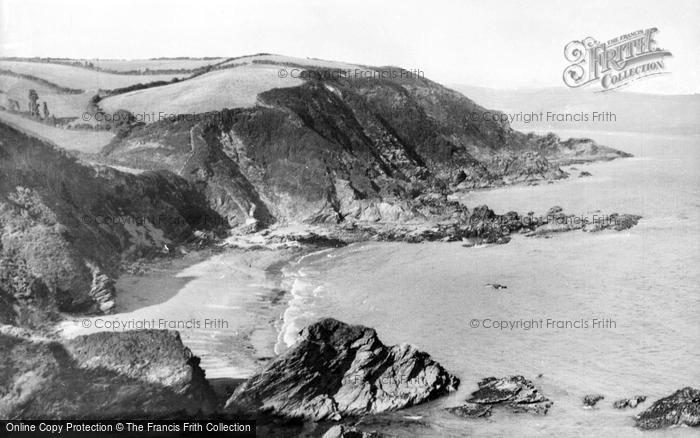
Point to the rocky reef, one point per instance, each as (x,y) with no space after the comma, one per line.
(557,221)
(678,409)
(140,374)
(514,393)
(590,400)
(631,402)
(337,370)
(476,226)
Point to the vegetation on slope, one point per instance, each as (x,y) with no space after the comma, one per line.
(70,225)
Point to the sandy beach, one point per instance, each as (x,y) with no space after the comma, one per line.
(226,304)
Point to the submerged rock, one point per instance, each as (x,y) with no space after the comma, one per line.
(631,402)
(680,408)
(470,410)
(515,393)
(337,370)
(592,399)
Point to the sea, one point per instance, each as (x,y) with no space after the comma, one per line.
(610,313)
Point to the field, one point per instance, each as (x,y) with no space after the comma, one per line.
(281,59)
(73,140)
(152,64)
(236,84)
(60,104)
(229,88)
(81,78)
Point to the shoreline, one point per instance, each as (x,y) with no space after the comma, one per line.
(293,276)
(253,304)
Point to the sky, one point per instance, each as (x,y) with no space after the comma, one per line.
(505,44)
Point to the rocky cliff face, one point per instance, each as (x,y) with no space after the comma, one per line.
(337,370)
(91,377)
(682,408)
(65,227)
(340,149)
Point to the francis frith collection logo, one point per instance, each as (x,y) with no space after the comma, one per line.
(616,62)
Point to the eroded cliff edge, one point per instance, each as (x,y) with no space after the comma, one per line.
(339,149)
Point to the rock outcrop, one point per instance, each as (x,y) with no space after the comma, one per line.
(591,400)
(481,225)
(631,402)
(514,393)
(337,370)
(678,409)
(141,374)
(556,221)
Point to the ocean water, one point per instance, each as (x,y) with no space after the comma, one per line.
(629,301)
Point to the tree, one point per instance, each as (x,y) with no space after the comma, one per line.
(46,111)
(33,105)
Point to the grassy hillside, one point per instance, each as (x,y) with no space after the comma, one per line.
(145,65)
(68,139)
(60,104)
(290,61)
(81,78)
(236,87)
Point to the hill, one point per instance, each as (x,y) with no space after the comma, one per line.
(235,83)
(235,87)
(80,78)
(339,147)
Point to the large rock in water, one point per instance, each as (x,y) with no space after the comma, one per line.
(680,408)
(515,393)
(138,374)
(337,370)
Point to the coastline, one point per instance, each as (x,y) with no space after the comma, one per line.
(293,280)
(176,290)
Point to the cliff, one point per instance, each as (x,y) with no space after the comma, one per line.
(335,149)
(65,226)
